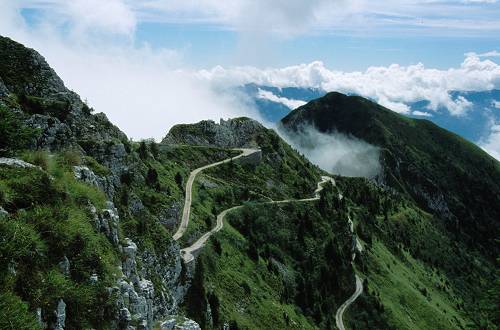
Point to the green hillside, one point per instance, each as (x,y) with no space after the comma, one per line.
(442,172)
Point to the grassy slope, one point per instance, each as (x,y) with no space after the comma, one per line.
(49,219)
(413,296)
(415,271)
(249,294)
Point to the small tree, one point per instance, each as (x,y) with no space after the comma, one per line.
(152,178)
(178,179)
(153,146)
(143,150)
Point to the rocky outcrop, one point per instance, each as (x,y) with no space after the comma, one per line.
(16,163)
(60,315)
(179,323)
(64,265)
(54,134)
(135,297)
(234,133)
(64,121)
(168,269)
(25,71)
(62,118)
(3,90)
(138,301)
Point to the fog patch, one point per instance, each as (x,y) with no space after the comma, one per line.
(335,152)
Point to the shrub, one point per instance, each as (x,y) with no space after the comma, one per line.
(96,167)
(143,150)
(70,158)
(38,158)
(14,134)
(14,313)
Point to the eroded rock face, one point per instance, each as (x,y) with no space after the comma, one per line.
(168,269)
(234,133)
(26,71)
(108,222)
(64,265)
(54,134)
(83,173)
(138,302)
(3,213)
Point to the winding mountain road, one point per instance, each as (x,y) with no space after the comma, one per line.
(189,187)
(187,253)
(347,303)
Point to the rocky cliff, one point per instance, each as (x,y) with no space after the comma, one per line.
(147,284)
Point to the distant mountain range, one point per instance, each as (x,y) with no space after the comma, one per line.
(275,103)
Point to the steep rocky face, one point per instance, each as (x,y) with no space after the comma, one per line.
(25,71)
(29,86)
(235,133)
(63,119)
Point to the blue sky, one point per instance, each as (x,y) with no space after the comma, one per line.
(205,46)
(347,35)
(150,64)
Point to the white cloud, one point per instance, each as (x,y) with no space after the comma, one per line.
(492,143)
(335,152)
(393,86)
(479,1)
(421,113)
(493,53)
(290,103)
(290,17)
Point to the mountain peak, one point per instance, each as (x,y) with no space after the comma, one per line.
(236,132)
(25,71)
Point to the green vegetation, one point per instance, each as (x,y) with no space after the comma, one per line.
(437,171)
(411,264)
(14,135)
(38,105)
(49,220)
(423,161)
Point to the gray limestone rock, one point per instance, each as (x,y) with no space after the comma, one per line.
(238,132)
(179,323)
(107,222)
(60,314)
(16,163)
(54,134)
(83,173)
(64,266)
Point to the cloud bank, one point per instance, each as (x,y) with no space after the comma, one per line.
(335,152)
(394,86)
